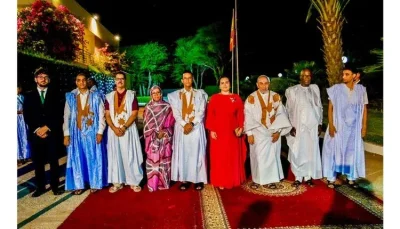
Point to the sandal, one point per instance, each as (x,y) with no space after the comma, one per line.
(352,183)
(331,184)
(254,186)
(310,183)
(136,188)
(94,190)
(271,186)
(199,186)
(184,186)
(77,192)
(114,189)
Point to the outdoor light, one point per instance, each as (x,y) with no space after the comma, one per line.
(96,17)
(280,75)
(344,59)
(117,38)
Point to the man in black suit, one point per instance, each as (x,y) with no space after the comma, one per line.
(44,119)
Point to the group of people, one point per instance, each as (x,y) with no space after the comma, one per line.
(176,137)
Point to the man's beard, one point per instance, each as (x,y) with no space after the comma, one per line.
(43,84)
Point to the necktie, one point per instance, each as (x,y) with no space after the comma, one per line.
(42,96)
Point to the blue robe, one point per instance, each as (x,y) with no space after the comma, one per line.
(86,160)
(24,149)
(344,153)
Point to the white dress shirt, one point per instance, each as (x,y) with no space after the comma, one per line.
(45,91)
(44,96)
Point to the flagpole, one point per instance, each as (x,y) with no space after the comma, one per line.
(233,58)
(237,48)
(233,70)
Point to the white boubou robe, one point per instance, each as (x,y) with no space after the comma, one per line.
(265,158)
(189,151)
(124,153)
(304,109)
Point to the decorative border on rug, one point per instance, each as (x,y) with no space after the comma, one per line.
(363,226)
(284,189)
(368,203)
(212,209)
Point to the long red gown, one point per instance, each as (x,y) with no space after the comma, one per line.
(227,153)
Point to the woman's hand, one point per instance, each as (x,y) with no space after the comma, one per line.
(213,135)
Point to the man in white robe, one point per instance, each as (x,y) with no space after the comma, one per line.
(304,109)
(265,122)
(125,156)
(189,146)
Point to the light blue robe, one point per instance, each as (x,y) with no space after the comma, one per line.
(124,153)
(189,151)
(86,160)
(344,153)
(24,149)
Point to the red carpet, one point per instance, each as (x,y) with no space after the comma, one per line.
(316,206)
(127,209)
(239,208)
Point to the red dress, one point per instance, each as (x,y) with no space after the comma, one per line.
(227,153)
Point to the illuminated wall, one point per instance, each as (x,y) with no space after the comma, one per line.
(96,34)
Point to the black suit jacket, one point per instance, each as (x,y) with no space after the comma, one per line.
(50,113)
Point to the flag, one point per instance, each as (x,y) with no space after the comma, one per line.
(232,42)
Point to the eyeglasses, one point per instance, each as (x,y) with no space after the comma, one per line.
(42,77)
(156,93)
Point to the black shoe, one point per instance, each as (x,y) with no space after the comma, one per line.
(310,183)
(58,192)
(199,186)
(296,184)
(184,186)
(37,193)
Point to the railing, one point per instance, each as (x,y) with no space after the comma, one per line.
(84,57)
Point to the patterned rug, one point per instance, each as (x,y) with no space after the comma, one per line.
(288,207)
(241,207)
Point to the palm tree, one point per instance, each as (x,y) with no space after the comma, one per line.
(298,66)
(378,67)
(331,23)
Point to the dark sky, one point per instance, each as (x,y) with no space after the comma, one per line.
(272,34)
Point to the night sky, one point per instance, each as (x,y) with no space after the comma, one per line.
(272,34)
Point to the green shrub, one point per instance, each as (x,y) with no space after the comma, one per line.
(211,90)
(143,99)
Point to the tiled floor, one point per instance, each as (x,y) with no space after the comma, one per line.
(374,174)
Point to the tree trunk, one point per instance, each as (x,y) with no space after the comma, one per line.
(194,79)
(220,71)
(140,90)
(149,84)
(197,76)
(331,24)
(216,75)
(143,89)
(333,50)
(201,77)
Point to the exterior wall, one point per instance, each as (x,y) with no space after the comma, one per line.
(96,34)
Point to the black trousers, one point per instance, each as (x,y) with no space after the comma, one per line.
(45,151)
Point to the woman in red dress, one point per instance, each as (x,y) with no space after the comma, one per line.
(225,120)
